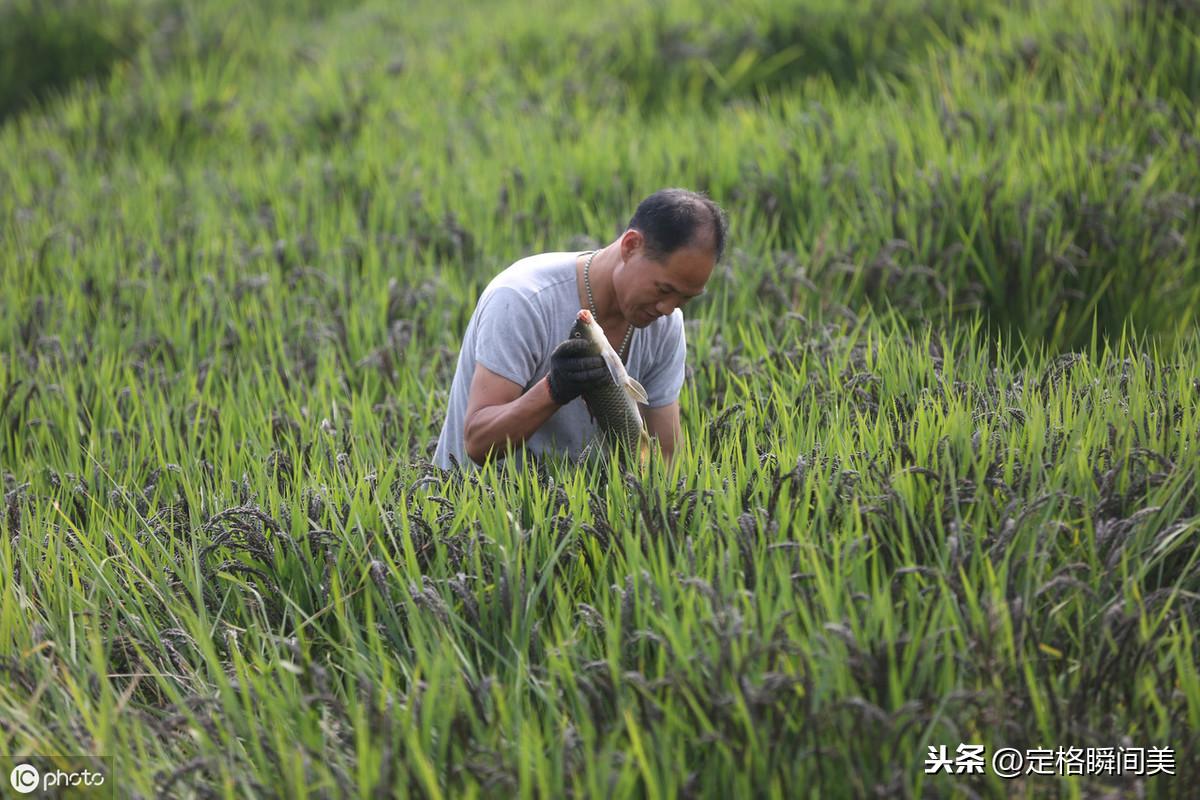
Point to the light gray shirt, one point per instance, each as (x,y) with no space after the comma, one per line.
(523,314)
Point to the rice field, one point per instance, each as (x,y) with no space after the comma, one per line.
(938,483)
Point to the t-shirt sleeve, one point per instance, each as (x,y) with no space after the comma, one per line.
(664,378)
(509,336)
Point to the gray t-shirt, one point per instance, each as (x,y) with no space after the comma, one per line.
(522,315)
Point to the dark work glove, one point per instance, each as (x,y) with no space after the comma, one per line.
(573,368)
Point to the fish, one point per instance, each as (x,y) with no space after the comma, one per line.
(613,404)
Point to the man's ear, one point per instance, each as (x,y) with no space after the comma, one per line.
(631,241)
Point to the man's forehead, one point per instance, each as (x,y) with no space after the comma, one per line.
(688,269)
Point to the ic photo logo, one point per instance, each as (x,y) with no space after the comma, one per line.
(25,778)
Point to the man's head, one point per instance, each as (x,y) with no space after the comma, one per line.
(674,218)
(668,252)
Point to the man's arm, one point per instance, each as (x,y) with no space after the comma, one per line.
(663,423)
(500,416)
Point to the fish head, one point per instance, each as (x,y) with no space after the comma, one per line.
(586,328)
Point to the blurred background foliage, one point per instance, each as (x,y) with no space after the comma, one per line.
(47,46)
(1034,163)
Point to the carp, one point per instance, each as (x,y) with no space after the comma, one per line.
(613,404)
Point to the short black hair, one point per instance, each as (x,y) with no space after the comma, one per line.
(674,218)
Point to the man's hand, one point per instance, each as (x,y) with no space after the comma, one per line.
(573,369)
(663,424)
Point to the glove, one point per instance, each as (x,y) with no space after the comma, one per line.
(573,369)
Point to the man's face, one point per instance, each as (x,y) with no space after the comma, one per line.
(648,289)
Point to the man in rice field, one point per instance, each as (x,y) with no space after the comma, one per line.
(511,388)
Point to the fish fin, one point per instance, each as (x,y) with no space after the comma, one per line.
(615,368)
(635,390)
(591,414)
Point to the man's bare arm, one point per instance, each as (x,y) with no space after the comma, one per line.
(663,423)
(500,416)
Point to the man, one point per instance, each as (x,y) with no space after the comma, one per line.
(510,391)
